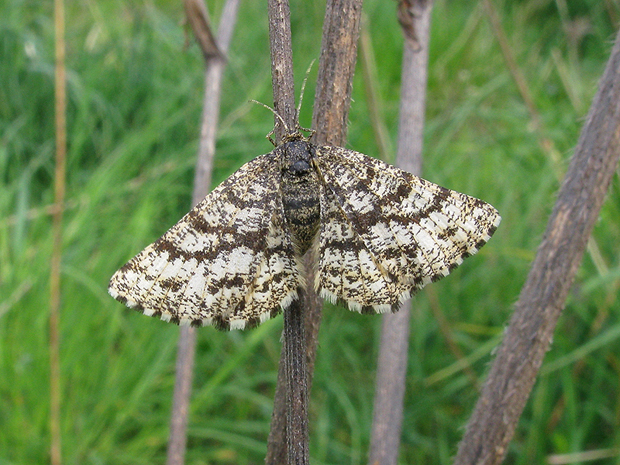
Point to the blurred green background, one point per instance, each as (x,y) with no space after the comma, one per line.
(134,107)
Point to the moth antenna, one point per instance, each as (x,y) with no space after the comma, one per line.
(303,88)
(277,115)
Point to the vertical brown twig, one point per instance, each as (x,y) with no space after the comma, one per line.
(330,116)
(295,367)
(59,200)
(341,30)
(210,114)
(543,295)
(331,109)
(292,361)
(282,79)
(392,362)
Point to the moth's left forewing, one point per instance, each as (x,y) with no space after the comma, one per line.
(416,231)
(227,263)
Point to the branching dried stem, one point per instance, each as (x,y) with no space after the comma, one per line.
(331,108)
(543,296)
(211,106)
(392,362)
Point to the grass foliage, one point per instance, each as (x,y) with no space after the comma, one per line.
(134,107)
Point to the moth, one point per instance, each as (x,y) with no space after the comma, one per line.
(378,235)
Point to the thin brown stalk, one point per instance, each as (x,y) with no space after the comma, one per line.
(341,30)
(544,293)
(210,115)
(331,109)
(180,401)
(392,361)
(547,146)
(294,342)
(211,102)
(197,16)
(59,199)
(293,360)
(283,82)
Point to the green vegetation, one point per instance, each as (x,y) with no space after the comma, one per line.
(134,108)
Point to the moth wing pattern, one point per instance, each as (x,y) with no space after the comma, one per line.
(396,229)
(228,262)
(346,271)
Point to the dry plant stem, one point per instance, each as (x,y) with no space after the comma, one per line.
(211,102)
(198,18)
(59,199)
(341,30)
(276,443)
(187,337)
(297,391)
(548,147)
(542,298)
(392,362)
(413,90)
(390,387)
(331,108)
(293,360)
(182,391)
(282,79)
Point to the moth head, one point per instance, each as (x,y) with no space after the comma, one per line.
(296,160)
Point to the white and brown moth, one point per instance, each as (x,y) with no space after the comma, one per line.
(378,234)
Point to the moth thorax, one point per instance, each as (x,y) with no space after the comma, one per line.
(300,193)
